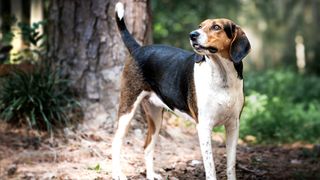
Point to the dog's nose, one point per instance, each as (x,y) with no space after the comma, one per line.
(193,35)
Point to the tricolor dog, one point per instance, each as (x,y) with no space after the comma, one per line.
(206,85)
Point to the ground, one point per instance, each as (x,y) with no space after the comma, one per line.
(85,153)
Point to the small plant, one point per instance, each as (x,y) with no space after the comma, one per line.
(35,41)
(39,98)
(96,168)
(31,33)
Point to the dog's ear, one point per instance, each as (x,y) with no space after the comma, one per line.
(229,28)
(240,45)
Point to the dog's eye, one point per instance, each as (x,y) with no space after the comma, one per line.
(216,27)
(199,26)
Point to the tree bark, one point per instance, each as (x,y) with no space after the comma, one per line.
(84,42)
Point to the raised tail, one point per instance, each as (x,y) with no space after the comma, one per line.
(127,38)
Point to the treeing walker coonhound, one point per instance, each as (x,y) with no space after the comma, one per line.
(206,85)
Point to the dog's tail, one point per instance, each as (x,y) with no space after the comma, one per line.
(127,38)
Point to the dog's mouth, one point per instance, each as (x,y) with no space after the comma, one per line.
(199,47)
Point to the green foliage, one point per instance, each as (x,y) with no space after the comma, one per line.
(7,34)
(35,40)
(40,99)
(281,106)
(31,33)
(7,38)
(32,37)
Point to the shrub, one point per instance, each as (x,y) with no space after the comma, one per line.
(40,99)
(281,106)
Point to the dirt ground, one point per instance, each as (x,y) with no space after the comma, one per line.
(85,153)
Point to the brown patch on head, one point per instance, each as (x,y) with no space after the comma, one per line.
(223,37)
(217,36)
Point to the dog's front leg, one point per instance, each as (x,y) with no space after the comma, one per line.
(204,129)
(232,134)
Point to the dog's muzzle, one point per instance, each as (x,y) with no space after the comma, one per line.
(196,45)
(194,35)
(194,40)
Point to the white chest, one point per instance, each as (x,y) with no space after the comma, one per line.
(219,91)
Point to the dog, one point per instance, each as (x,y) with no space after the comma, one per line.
(206,85)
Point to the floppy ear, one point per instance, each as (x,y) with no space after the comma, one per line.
(240,46)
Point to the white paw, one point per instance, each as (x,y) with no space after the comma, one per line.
(153,176)
(119,176)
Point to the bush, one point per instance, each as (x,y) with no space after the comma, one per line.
(281,107)
(40,99)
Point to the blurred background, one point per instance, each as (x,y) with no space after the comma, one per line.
(60,71)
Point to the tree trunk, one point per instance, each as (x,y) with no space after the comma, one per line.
(84,41)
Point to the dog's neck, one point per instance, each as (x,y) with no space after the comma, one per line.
(222,70)
(225,64)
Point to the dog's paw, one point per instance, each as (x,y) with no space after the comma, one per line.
(157,176)
(119,176)
(153,176)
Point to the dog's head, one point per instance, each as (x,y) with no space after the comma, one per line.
(220,36)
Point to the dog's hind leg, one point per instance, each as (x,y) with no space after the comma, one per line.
(154,119)
(127,108)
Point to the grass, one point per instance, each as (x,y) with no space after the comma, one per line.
(40,99)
